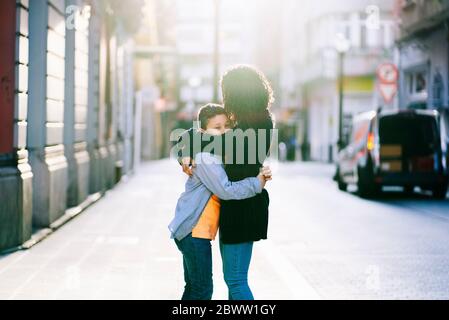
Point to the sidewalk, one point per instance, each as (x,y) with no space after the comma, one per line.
(119,248)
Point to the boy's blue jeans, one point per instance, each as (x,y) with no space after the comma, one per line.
(236,260)
(197,260)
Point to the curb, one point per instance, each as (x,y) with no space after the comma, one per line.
(69,214)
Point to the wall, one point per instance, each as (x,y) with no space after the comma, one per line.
(46,110)
(67,108)
(76,102)
(430,56)
(15,172)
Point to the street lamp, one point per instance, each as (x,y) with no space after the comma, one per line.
(194,84)
(216,57)
(342,46)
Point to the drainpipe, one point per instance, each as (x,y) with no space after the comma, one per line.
(446,28)
(446,111)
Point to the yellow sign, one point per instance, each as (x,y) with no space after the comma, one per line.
(362,84)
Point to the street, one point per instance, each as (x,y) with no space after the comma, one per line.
(323,244)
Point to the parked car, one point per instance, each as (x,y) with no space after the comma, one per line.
(445,134)
(400,148)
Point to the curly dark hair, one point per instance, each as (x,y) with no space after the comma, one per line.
(209,111)
(247,94)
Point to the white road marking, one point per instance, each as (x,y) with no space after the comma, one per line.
(299,287)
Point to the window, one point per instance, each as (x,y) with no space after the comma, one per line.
(421,83)
(417,82)
(417,134)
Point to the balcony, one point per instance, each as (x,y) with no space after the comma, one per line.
(421,15)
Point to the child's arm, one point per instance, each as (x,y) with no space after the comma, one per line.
(185,151)
(212,174)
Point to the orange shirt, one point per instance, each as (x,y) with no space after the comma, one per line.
(207,225)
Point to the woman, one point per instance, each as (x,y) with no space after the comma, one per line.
(247,98)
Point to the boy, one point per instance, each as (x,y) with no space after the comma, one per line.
(197,211)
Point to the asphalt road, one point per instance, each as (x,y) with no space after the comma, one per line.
(394,247)
(323,244)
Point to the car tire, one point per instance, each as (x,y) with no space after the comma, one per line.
(367,188)
(439,192)
(364,190)
(341,185)
(409,190)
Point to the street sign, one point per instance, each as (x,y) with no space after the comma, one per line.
(388,76)
(388,73)
(388,91)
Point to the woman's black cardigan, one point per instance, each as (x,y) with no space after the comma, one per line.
(245,220)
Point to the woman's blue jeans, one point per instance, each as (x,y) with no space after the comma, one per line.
(197,261)
(236,260)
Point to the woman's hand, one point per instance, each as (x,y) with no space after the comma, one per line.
(264,176)
(188,164)
(266,171)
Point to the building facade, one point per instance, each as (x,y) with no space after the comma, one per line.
(195,38)
(423,59)
(424,53)
(370,33)
(16,177)
(66,110)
